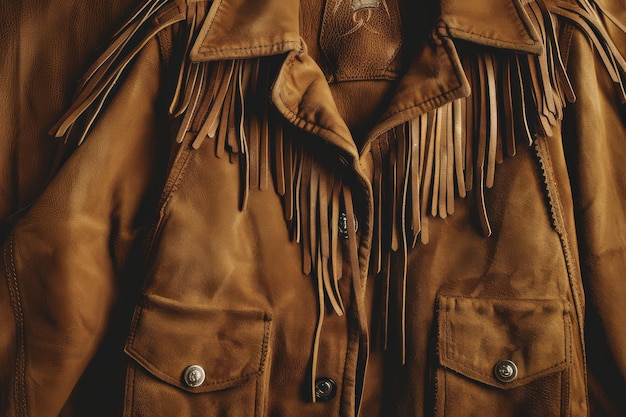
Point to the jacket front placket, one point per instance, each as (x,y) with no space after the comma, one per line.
(302,96)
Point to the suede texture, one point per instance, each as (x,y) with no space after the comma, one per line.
(227,199)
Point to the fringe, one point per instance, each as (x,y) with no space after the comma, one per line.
(588,16)
(96,87)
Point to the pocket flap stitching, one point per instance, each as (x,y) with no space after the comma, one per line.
(476,334)
(168,336)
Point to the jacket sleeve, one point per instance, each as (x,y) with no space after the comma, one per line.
(41,57)
(62,261)
(595,145)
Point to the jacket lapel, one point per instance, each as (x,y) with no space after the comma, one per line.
(436,75)
(496,23)
(248,28)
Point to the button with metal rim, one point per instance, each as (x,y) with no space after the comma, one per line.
(505,371)
(343,225)
(325,389)
(194,376)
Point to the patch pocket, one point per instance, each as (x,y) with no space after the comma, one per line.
(196,361)
(502,357)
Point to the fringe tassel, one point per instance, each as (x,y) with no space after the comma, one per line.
(586,15)
(150,19)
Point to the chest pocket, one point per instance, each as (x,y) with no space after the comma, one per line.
(510,357)
(195,361)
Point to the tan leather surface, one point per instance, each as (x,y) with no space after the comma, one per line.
(228,203)
(46,45)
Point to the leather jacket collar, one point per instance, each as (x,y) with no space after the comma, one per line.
(239,29)
(247,28)
(236,29)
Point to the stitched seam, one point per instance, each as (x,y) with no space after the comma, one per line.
(171,185)
(568,372)
(130,390)
(349,350)
(506,299)
(19,393)
(247,48)
(439,371)
(461,365)
(216,4)
(518,381)
(447,330)
(245,377)
(458,31)
(345,372)
(257,393)
(242,378)
(566,42)
(208,29)
(266,343)
(264,346)
(261,382)
(165,45)
(428,101)
(553,194)
(521,14)
(446,405)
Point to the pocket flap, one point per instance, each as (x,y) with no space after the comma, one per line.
(475,335)
(168,337)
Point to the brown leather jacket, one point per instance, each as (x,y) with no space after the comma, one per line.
(308,208)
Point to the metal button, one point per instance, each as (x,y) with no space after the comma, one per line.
(343,225)
(194,376)
(506,371)
(325,389)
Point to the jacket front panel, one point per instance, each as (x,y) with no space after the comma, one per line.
(289,266)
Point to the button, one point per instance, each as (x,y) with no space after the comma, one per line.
(194,376)
(325,389)
(506,371)
(343,225)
